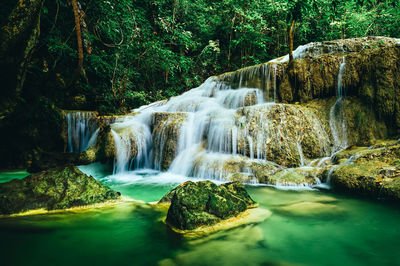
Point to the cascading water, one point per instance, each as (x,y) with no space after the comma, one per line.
(260,76)
(82,130)
(337,114)
(214,131)
(132,140)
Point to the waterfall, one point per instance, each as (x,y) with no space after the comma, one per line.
(337,119)
(216,130)
(133,142)
(82,130)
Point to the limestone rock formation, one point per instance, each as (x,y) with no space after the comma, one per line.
(102,150)
(374,172)
(57,188)
(372,74)
(204,203)
(282,133)
(363,125)
(166,130)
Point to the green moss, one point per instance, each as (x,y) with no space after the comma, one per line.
(57,188)
(204,203)
(373,172)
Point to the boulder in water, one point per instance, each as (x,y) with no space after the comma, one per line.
(204,203)
(372,172)
(57,188)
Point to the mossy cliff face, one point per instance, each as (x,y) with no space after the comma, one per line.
(363,127)
(204,203)
(374,172)
(372,74)
(57,188)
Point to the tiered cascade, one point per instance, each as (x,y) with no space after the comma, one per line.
(215,131)
(233,127)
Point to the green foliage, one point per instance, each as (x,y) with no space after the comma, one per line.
(146,50)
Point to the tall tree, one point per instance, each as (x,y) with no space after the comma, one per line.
(78,36)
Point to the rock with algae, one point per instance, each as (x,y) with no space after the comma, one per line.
(374,172)
(56,188)
(204,203)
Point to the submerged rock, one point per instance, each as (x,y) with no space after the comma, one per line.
(311,209)
(204,203)
(294,177)
(57,188)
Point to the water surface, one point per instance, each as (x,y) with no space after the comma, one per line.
(306,228)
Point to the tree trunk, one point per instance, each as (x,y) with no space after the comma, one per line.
(173,12)
(291,41)
(78,36)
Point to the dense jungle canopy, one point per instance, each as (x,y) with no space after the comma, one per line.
(112,56)
(136,52)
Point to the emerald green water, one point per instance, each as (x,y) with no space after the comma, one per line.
(10,175)
(306,228)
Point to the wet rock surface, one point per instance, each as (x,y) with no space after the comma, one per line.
(166,130)
(282,133)
(204,203)
(56,188)
(373,172)
(372,74)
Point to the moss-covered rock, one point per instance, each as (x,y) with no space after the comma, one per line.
(204,203)
(262,170)
(374,172)
(57,188)
(375,179)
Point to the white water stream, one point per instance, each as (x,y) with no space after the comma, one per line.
(337,118)
(82,130)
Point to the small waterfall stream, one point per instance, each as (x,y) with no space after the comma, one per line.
(337,114)
(82,130)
